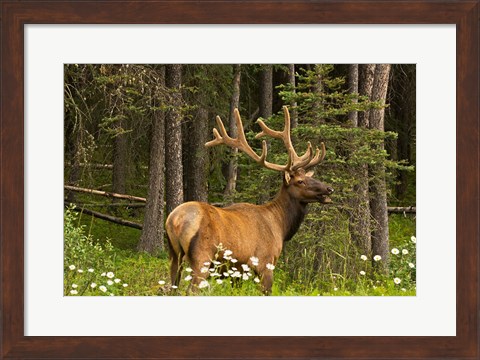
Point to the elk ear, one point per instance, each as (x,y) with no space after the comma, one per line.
(287,177)
(309,174)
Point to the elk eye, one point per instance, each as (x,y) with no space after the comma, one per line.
(300,182)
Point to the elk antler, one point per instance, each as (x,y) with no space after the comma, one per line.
(307,160)
(294,161)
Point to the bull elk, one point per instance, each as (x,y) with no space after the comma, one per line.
(196,230)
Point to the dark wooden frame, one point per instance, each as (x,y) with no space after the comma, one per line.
(15,14)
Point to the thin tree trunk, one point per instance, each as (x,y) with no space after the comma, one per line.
(173,139)
(378,190)
(76,136)
(266,91)
(293,104)
(119,157)
(151,239)
(353,89)
(234,104)
(318,107)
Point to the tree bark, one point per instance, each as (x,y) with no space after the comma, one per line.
(234,104)
(366,75)
(173,139)
(266,91)
(360,218)
(199,190)
(119,157)
(151,240)
(293,104)
(353,89)
(378,189)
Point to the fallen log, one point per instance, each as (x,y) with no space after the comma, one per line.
(107,217)
(401,210)
(104,193)
(127,205)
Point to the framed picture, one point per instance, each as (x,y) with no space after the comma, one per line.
(26,315)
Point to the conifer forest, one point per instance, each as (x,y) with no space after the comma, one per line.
(239,179)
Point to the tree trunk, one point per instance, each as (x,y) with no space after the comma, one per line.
(76,151)
(353,89)
(266,91)
(151,239)
(199,190)
(234,103)
(318,106)
(119,158)
(378,190)
(173,139)
(360,218)
(366,74)
(293,104)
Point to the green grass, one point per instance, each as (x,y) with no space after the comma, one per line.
(295,274)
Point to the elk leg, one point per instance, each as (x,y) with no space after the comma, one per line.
(267,281)
(176,267)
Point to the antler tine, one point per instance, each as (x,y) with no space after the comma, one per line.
(222,137)
(317,158)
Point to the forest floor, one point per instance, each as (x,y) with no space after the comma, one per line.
(101,259)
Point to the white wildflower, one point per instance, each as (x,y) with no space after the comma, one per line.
(103,274)
(174,287)
(397,281)
(80,271)
(245,267)
(73,292)
(103,288)
(117,281)
(404,251)
(74,286)
(93,285)
(403,289)
(90,270)
(412,265)
(204,270)
(203,284)
(226,274)
(414,239)
(227,252)
(362,272)
(161,282)
(110,275)
(245,276)
(236,274)
(72,267)
(206,263)
(254,261)
(188,278)
(125,285)
(215,262)
(257,280)
(363,257)
(233,260)
(395,251)
(270,266)
(219,281)
(335,289)
(188,269)
(109,282)
(377,258)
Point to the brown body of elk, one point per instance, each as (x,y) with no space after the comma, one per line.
(196,230)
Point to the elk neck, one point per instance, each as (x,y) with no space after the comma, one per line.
(290,211)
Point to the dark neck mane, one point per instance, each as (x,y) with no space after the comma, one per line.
(291,210)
